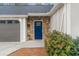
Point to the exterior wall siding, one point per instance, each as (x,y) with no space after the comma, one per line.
(60,20)
(75,19)
(57,20)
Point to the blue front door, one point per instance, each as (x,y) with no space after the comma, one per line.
(38,30)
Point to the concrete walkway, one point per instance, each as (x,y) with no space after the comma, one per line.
(8,47)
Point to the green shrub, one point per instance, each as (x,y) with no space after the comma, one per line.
(75,51)
(59,44)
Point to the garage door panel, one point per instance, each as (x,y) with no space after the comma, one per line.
(10,32)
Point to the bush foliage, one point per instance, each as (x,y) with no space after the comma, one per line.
(59,44)
(75,52)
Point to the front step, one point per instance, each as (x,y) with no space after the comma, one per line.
(29,52)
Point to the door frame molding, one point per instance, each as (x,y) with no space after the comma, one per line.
(42,29)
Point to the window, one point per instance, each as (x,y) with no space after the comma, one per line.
(12,21)
(2,21)
(9,21)
(16,21)
(38,24)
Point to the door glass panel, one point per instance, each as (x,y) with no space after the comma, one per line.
(38,24)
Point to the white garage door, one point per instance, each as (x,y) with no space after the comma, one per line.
(9,31)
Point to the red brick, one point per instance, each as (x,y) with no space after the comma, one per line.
(29,52)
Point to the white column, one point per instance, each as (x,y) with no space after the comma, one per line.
(22,29)
(67,18)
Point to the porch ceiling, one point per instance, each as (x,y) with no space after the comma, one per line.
(24,8)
